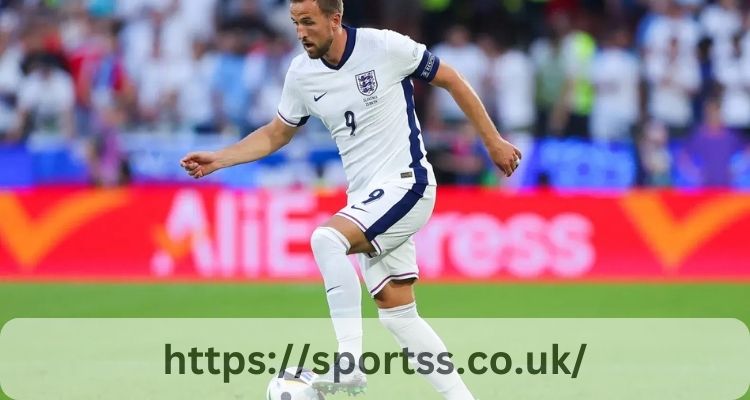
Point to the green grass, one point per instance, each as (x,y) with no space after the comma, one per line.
(307,300)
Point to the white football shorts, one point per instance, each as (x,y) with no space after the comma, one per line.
(389,217)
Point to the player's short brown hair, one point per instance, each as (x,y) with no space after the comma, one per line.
(328,7)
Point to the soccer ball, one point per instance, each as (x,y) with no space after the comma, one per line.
(289,387)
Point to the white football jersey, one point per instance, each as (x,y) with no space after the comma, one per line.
(367,103)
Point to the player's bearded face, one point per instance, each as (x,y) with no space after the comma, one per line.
(314,28)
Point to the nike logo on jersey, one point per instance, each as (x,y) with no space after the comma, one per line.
(319,97)
(357,208)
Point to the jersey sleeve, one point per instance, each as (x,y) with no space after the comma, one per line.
(292,110)
(411,58)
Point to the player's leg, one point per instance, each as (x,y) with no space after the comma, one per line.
(345,233)
(330,243)
(387,208)
(390,277)
(397,309)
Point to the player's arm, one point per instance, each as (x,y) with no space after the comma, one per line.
(503,154)
(255,146)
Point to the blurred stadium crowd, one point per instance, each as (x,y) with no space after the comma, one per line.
(598,93)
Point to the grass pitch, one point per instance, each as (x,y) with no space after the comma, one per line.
(435,300)
(307,300)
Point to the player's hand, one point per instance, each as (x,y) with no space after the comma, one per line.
(200,164)
(505,156)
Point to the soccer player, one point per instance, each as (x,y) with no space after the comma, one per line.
(359,83)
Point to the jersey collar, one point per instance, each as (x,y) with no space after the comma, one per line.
(351,39)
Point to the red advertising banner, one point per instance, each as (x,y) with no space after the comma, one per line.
(474,234)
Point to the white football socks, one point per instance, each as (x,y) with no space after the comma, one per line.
(416,335)
(342,286)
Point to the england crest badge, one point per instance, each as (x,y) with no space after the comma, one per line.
(367,83)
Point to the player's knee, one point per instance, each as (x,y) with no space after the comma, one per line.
(325,239)
(396,294)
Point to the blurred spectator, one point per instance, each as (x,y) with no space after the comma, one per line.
(491,48)
(513,84)
(721,21)
(158,82)
(674,77)
(676,24)
(232,97)
(265,71)
(654,156)
(160,26)
(579,49)
(111,86)
(196,104)
(468,59)
(616,78)
(733,73)
(706,154)
(549,62)
(563,63)
(45,101)
(100,77)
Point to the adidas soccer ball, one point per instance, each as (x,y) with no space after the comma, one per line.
(289,387)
